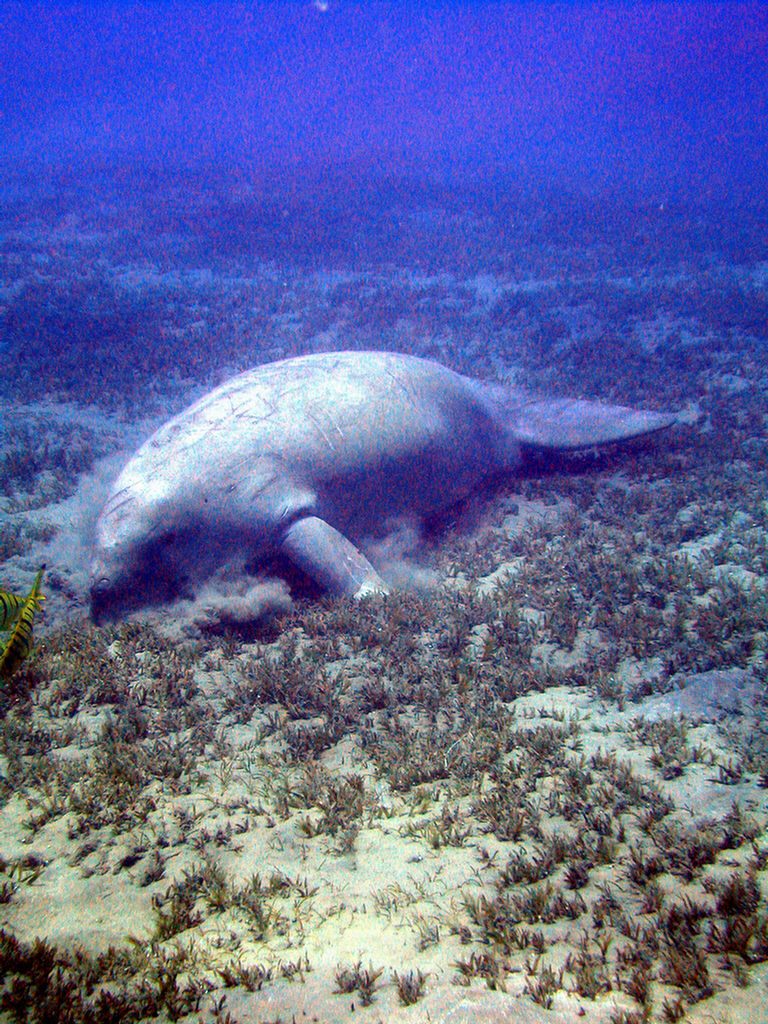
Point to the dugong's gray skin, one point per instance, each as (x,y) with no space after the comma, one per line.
(305,456)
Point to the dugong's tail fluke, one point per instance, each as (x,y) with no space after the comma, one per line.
(562,423)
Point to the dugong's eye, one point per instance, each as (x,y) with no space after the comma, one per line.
(167,539)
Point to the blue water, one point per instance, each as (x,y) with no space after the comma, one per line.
(664,100)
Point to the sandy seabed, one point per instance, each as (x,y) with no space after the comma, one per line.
(531,785)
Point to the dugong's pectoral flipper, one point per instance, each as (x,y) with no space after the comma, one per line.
(330,559)
(562,423)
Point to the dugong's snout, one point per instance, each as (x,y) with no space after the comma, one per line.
(112,598)
(102,598)
(113,583)
(134,580)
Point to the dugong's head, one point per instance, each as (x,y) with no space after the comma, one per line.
(134,560)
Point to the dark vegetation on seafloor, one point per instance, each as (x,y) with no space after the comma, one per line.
(105,727)
(117,303)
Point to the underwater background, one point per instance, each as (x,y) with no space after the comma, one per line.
(531,783)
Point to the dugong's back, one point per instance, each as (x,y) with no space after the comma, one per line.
(360,434)
(295,457)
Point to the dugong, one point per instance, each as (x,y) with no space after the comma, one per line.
(305,457)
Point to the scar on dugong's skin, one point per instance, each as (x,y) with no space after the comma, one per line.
(303,457)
